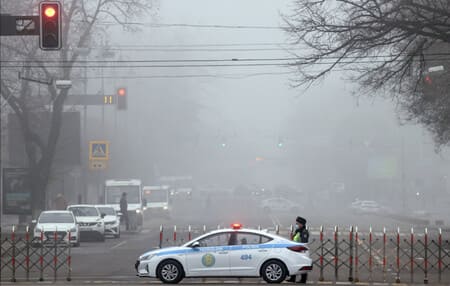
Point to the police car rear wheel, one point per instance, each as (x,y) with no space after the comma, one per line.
(273,271)
(170,271)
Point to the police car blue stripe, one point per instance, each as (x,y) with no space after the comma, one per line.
(228,248)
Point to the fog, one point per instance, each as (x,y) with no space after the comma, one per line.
(223,125)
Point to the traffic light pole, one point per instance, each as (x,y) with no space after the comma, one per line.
(82,196)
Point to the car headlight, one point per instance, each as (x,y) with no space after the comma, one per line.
(99,223)
(138,211)
(165,207)
(146,257)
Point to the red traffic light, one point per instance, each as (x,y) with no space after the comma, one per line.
(50,12)
(122,98)
(122,91)
(50,25)
(428,80)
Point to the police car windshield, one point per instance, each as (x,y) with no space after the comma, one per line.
(56,218)
(84,211)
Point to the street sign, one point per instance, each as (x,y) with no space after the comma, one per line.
(19,25)
(16,191)
(97,165)
(98,150)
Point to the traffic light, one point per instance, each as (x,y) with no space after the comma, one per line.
(50,25)
(432,85)
(121,98)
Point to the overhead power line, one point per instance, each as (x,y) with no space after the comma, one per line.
(228,76)
(152,61)
(236,61)
(143,49)
(185,25)
(191,45)
(198,63)
(146,66)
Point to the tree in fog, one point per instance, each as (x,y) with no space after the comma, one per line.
(81,21)
(386,46)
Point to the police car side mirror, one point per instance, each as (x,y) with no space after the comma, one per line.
(195,244)
(103,215)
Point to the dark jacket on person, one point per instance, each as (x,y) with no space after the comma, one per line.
(301,235)
(123,206)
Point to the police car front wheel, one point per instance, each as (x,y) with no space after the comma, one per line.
(274,271)
(170,271)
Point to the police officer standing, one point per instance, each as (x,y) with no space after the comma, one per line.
(124,210)
(301,234)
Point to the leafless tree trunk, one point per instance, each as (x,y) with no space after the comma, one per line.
(80,20)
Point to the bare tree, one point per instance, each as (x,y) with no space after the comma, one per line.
(384,45)
(81,21)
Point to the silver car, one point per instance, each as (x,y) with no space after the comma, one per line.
(111,219)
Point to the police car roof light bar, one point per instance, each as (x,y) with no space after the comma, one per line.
(236,226)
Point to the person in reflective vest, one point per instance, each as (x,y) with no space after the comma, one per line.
(301,234)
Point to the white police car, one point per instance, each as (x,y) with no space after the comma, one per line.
(233,252)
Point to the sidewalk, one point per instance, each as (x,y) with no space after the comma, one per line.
(7,221)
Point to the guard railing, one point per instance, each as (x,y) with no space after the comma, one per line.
(25,257)
(356,256)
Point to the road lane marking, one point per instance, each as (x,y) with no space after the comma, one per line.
(119,244)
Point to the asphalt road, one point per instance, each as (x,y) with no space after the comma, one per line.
(112,262)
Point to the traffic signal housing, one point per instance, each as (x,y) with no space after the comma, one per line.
(50,25)
(121,98)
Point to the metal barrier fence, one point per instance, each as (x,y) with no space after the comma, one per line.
(384,256)
(24,257)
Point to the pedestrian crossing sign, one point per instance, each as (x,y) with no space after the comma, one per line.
(98,150)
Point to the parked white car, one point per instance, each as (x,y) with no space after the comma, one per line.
(61,222)
(89,219)
(279,204)
(111,219)
(231,252)
(366,207)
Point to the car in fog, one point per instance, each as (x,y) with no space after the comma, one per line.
(181,193)
(111,219)
(233,252)
(278,205)
(60,222)
(157,200)
(365,207)
(89,220)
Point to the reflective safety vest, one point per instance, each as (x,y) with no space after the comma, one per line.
(301,235)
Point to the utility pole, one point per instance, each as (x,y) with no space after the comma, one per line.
(403,173)
(82,195)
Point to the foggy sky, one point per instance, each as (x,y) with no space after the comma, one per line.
(250,114)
